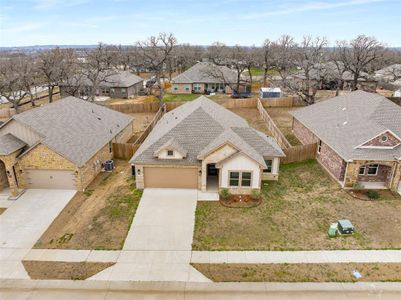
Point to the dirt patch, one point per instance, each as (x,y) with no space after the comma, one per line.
(339,272)
(240,201)
(63,270)
(141,121)
(2,209)
(283,119)
(98,218)
(135,100)
(296,213)
(253,117)
(364,194)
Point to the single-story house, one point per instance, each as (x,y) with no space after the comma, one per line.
(358,137)
(114,84)
(61,145)
(202,145)
(204,77)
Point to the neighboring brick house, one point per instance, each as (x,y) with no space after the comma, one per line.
(114,84)
(61,145)
(202,145)
(358,137)
(204,76)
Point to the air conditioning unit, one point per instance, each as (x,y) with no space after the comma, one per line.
(109,165)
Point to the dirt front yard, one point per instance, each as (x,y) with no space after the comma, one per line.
(337,272)
(296,214)
(98,218)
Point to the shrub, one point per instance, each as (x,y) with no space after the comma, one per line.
(373,194)
(224,193)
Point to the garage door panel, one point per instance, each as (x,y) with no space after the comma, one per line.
(50,179)
(185,178)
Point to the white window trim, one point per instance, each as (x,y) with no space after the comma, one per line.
(272,167)
(377,170)
(240,179)
(319,147)
(170,151)
(364,170)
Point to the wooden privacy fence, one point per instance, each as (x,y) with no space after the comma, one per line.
(124,150)
(6,113)
(299,153)
(282,102)
(130,108)
(276,133)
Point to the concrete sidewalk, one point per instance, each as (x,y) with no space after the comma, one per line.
(323,256)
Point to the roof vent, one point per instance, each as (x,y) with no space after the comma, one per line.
(99,118)
(345,123)
(111,131)
(344,108)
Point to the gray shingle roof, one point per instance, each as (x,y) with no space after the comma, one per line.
(123,79)
(206,72)
(345,122)
(74,128)
(199,126)
(9,144)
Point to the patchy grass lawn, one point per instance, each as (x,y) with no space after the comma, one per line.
(337,272)
(98,218)
(295,215)
(180,97)
(63,270)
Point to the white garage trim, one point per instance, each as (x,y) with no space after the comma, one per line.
(50,179)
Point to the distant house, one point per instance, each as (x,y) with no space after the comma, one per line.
(358,137)
(205,77)
(389,74)
(202,145)
(119,84)
(61,145)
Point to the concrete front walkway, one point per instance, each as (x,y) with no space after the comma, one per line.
(158,245)
(22,224)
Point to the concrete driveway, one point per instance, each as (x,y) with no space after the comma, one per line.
(164,220)
(22,224)
(158,245)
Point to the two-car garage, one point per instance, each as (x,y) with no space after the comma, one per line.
(169,177)
(50,179)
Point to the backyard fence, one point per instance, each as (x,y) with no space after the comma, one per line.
(124,150)
(6,113)
(299,153)
(274,130)
(130,108)
(282,102)
(152,124)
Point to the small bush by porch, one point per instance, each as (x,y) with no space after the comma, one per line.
(295,215)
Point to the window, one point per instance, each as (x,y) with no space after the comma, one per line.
(110,147)
(175,88)
(234,178)
(384,138)
(362,170)
(123,90)
(246,178)
(237,179)
(319,147)
(373,169)
(112,91)
(197,87)
(269,164)
(170,153)
(187,88)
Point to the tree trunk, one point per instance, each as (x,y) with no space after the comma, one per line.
(355,82)
(50,88)
(265,76)
(250,75)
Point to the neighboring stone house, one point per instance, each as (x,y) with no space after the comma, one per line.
(202,145)
(202,77)
(61,145)
(114,84)
(358,137)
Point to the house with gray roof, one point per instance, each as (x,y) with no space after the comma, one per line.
(204,77)
(61,145)
(114,84)
(358,137)
(202,145)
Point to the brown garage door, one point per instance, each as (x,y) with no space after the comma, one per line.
(50,179)
(184,178)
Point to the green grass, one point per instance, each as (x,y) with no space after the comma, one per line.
(260,72)
(295,214)
(179,97)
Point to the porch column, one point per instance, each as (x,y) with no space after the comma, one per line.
(396,177)
(9,161)
(204,177)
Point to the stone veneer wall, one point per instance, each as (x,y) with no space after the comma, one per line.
(3,176)
(377,142)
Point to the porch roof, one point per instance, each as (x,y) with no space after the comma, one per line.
(10,144)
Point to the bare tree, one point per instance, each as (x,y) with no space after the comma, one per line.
(265,59)
(14,79)
(155,52)
(310,57)
(358,55)
(284,50)
(97,68)
(54,66)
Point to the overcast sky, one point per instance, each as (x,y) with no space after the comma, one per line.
(201,22)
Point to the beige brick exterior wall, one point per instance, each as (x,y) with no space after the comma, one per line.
(92,167)
(304,135)
(3,176)
(377,141)
(125,134)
